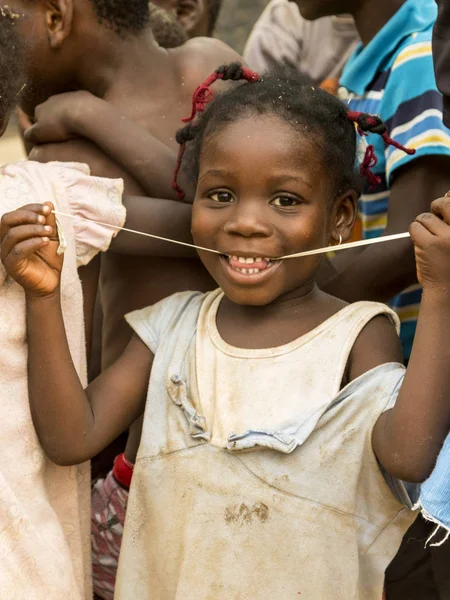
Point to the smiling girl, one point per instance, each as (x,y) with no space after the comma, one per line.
(279,420)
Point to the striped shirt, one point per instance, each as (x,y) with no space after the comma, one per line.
(393,76)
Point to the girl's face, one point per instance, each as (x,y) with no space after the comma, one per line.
(264,192)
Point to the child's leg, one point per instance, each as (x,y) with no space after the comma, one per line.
(109,504)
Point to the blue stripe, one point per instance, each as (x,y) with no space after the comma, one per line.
(370,208)
(407,299)
(410,109)
(371,234)
(407,332)
(419,73)
(421,128)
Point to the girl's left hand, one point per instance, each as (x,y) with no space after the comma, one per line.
(430,233)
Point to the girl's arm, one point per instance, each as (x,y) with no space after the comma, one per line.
(165,218)
(408,438)
(80,114)
(72,424)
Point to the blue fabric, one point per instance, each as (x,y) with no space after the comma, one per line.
(435,494)
(393,76)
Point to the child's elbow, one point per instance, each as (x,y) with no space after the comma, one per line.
(412,473)
(65,457)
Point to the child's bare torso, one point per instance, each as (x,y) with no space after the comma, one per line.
(129,282)
(132,282)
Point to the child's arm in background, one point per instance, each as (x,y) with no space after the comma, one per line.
(164,218)
(408,438)
(72,424)
(80,114)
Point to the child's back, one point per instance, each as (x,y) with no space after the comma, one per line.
(152,87)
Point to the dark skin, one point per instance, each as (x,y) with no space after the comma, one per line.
(297,210)
(382,271)
(69,50)
(85,55)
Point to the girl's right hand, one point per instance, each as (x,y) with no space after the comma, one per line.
(29,244)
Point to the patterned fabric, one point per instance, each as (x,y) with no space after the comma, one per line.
(45,508)
(393,76)
(109,506)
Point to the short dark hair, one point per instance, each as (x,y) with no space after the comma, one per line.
(123,16)
(215,7)
(12,78)
(293,98)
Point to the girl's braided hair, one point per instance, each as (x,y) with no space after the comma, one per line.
(293,98)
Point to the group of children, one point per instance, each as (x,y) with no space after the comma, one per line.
(276,439)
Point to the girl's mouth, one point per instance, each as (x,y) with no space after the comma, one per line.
(252,268)
(249,265)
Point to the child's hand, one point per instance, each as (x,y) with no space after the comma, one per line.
(29,244)
(56,118)
(430,233)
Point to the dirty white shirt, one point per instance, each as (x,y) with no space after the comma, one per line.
(44,508)
(283,37)
(256,477)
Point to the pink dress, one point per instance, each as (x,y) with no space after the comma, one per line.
(44,508)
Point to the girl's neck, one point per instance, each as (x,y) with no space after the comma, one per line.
(372,16)
(276,324)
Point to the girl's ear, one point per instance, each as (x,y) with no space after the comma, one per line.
(345,213)
(59,17)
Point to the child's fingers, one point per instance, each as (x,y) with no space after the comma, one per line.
(22,251)
(19,234)
(420,235)
(49,215)
(441,208)
(31,213)
(433,224)
(31,134)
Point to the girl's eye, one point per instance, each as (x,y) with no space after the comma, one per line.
(285,201)
(222,197)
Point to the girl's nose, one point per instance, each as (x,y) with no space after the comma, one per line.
(248,222)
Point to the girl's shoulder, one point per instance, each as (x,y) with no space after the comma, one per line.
(173,317)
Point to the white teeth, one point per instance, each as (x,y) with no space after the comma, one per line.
(242,259)
(234,258)
(250,261)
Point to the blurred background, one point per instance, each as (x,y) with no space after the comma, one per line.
(237,19)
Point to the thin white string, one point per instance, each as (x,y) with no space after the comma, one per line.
(379,240)
(150,235)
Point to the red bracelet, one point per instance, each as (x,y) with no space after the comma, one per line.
(123,470)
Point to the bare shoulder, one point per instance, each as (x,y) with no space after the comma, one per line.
(200,57)
(209,50)
(377,344)
(84,151)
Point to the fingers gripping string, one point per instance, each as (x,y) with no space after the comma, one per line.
(366,124)
(202,96)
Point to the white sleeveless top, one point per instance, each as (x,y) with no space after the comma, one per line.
(256,477)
